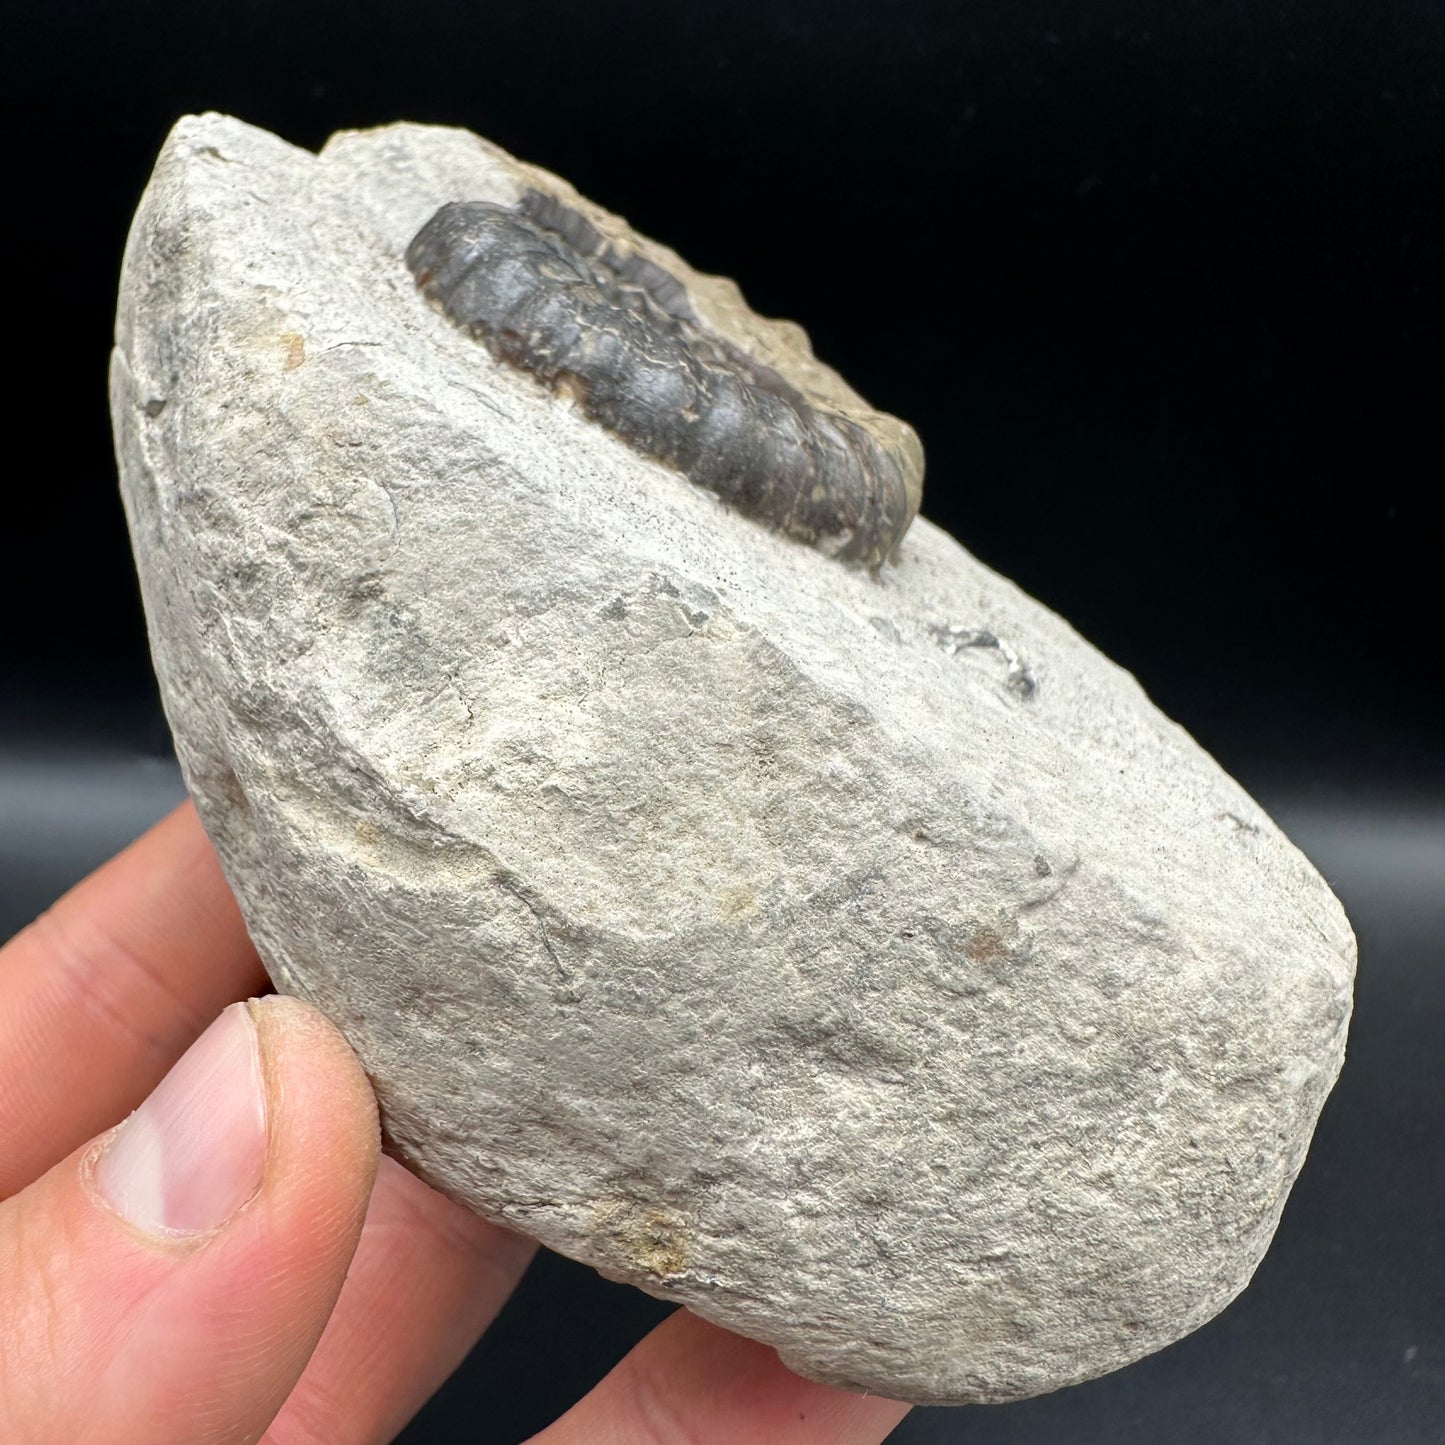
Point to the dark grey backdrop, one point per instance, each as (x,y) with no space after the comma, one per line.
(1161,287)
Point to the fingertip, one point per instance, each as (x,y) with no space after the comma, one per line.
(308,1064)
(324,1134)
(691,1379)
(186,1161)
(103,993)
(251,1304)
(182,1268)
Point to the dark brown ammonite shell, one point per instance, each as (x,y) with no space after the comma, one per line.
(548,292)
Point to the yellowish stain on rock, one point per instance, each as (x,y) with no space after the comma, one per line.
(647,1239)
(986,945)
(737,902)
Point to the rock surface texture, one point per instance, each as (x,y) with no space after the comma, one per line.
(856,957)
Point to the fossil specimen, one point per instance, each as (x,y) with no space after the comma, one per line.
(616,332)
(850,953)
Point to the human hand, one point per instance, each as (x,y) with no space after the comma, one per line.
(236,1262)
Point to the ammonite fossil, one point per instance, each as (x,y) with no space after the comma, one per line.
(619,334)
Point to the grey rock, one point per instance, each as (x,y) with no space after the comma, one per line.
(858,958)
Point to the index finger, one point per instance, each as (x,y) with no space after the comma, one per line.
(104,992)
(691,1381)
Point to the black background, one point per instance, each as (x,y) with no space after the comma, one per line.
(1162,288)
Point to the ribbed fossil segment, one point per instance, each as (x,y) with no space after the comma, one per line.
(542,287)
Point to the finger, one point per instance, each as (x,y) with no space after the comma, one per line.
(427,1279)
(169,1283)
(689,1380)
(102,994)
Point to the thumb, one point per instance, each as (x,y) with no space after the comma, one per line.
(169,1281)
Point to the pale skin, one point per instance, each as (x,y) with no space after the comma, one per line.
(330,1302)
